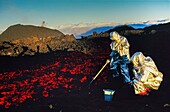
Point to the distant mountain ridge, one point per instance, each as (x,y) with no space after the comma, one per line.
(78,29)
(85,29)
(97,30)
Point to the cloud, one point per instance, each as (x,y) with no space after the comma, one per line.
(83,25)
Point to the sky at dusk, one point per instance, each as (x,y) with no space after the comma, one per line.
(57,12)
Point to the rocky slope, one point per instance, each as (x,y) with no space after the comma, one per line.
(29,40)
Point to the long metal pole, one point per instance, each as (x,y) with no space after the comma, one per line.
(99,72)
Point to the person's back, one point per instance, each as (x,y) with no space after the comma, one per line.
(146,75)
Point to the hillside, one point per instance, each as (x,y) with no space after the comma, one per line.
(24,31)
(29,40)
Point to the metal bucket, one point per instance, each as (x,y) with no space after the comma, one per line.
(108,94)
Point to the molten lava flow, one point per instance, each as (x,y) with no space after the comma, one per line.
(69,71)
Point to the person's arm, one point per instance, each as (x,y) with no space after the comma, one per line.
(125,43)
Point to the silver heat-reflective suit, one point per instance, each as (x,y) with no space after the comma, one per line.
(120,56)
(146,74)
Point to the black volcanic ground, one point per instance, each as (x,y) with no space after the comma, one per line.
(57,81)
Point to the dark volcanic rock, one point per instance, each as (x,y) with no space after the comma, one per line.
(161,27)
(38,45)
(11,49)
(96,35)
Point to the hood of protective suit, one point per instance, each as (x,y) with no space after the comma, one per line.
(115,36)
(137,59)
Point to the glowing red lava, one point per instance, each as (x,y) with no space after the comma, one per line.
(68,71)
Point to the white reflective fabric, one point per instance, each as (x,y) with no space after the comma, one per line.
(120,44)
(120,56)
(146,73)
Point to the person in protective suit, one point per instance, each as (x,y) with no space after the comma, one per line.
(119,57)
(146,75)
